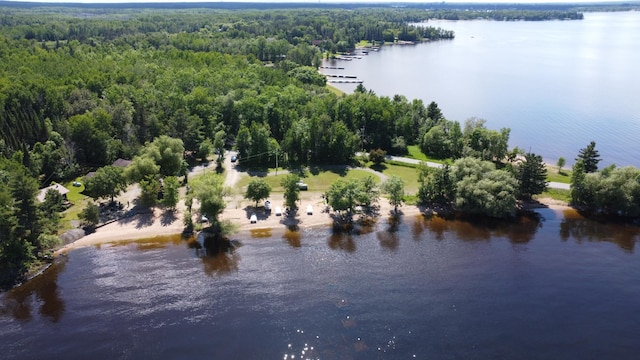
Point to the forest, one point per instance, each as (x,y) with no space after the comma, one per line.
(82,87)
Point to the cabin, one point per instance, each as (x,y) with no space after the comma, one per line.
(123,163)
(57,187)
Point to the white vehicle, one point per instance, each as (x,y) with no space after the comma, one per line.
(253,219)
(309,210)
(267,205)
(278,211)
(302,186)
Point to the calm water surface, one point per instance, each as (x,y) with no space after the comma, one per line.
(556,84)
(552,286)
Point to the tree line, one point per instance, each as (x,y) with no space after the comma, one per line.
(169,88)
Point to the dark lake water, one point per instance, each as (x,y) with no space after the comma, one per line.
(553,286)
(556,84)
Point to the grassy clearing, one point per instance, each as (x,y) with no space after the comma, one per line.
(556,194)
(335,90)
(71,214)
(408,174)
(79,201)
(321,181)
(411,200)
(563,177)
(415,153)
(364,43)
(75,192)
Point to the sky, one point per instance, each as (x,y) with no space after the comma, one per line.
(320,1)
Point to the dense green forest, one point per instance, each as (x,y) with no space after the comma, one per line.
(82,87)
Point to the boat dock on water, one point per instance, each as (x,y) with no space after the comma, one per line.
(345,81)
(341,76)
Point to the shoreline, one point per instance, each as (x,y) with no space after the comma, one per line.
(160,223)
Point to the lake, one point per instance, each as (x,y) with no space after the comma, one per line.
(548,286)
(556,84)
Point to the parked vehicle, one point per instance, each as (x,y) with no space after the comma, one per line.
(302,186)
(267,205)
(278,211)
(253,219)
(309,210)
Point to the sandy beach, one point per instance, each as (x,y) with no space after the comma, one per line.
(238,211)
(160,222)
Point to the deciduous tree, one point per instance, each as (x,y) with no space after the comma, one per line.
(481,189)
(257,189)
(437,185)
(90,215)
(561,162)
(108,182)
(170,192)
(291,190)
(149,189)
(209,190)
(394,188)
(377,156)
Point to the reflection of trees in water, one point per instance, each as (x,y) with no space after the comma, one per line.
(293,236)
(341,241)
(216,252)
(263,233)
(519,230)
(42,290)
(221,263)
(389,239)
(153,243)
(582,229)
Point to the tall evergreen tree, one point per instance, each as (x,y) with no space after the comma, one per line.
(590,157)
(578,194)
(531,175)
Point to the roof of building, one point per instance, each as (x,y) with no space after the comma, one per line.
(59,188)
(122,162)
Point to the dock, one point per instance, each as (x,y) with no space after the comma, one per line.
(332,67)
(341,76)
(348,81)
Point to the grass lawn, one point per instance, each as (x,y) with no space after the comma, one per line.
(556,194)
(318,182)
(363,43)
(408,174)
(78,200)
(335,90)
(563,177)
(415,153)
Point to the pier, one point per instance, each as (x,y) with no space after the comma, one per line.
(345,81)
(341,76)
(332,67)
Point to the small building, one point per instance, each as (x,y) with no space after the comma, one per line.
(122,163)
(57,187)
